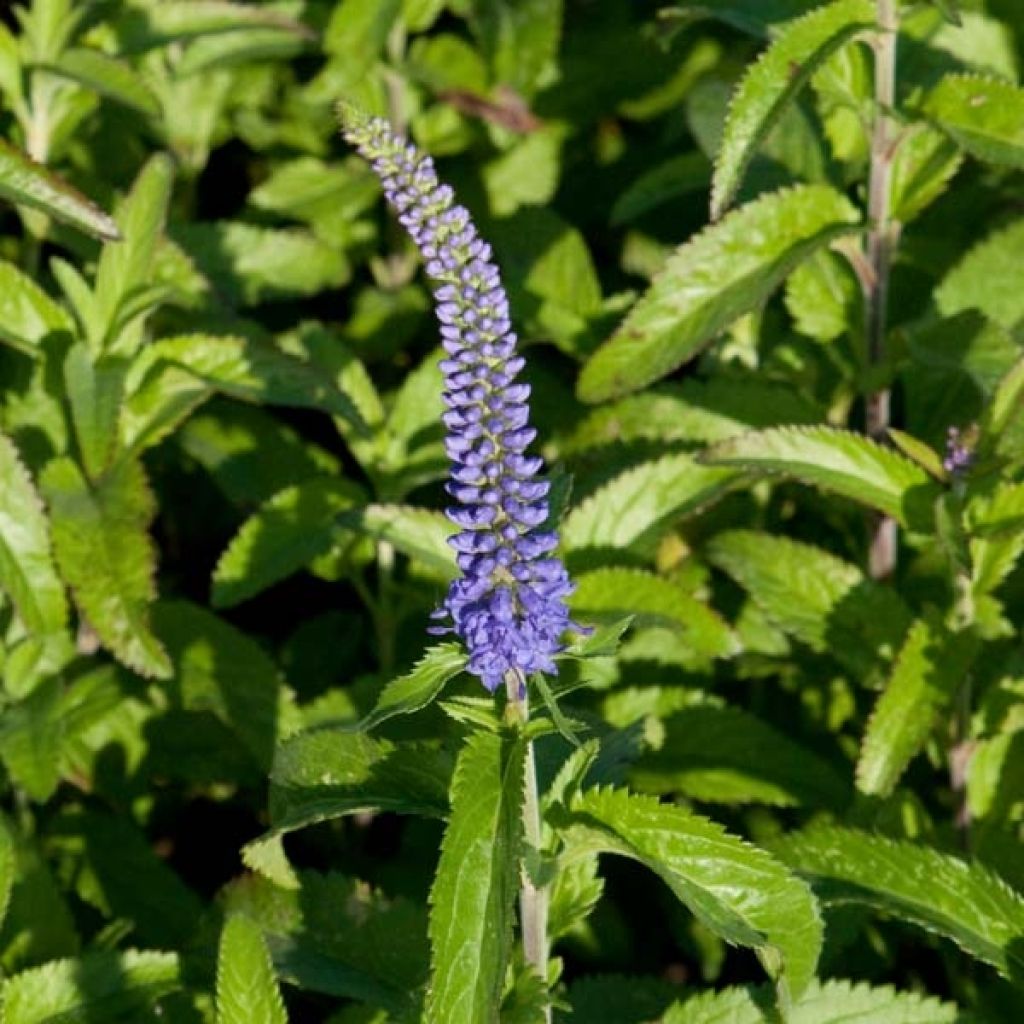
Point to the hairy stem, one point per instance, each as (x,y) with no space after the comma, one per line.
(533,901)
(881,242)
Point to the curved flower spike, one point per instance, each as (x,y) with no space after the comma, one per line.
(508,605)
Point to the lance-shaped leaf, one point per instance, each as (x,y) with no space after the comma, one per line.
(729,269)
(800,48)
(246,987)
(925,678)
(996,524)
(156,24)
(474,889)
(725,755)
(99,986)
(824,1002)
(295,526)
(332,772)
(107,76)
(418,687)
(941,893)
(27,313)
(839,461)
(107,557)
(737,890)
(823,601)
(654,601)
(419,533)
(26,183)
(172,377)
(27,573)
(95,391)
(640,503)
(983,115)
(125,268)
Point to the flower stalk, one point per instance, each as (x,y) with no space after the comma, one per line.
(882,240)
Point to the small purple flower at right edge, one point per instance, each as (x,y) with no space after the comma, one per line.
(508,604)
(959,452)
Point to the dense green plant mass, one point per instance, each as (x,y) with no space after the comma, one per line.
(764,261)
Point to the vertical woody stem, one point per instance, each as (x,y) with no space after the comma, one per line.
(533,901)
(881,242)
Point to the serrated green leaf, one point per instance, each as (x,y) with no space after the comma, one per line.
(519,38)
(828,1002)
(823,601)
(922,167)
(26,183)
(250,264)
(727,270)
(472,897)
(31,735)
(725,755)
(824,298)
(156,24)
(983,115)
(737,890)
(95,392)
(700,411)
(245,46)
(107,76)
(175,375)
(336,935)
(995,521)
(652,600)
(125,268)
(915,883)
(1003,422)
(286,534)
(247,991)
(27,313)
(219,669)
(418,687)
(788,64)
(99,986)
(636,506)
(419,533)
(836,460)
(983,279)
(929,669)
(27,573)
(332,772)
(107,557)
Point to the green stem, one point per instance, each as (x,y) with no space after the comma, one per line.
(533,900)
(881,243)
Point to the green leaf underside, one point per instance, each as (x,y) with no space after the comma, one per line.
(108,558)
(109,77)
(774,81)
(836,460)
(941,893)
(474,889)
(421,685)
(332,772)
(99,986)
(983,115)
(737,890)
(247,990)
(27,572)
(729,269)
(829,1002)
(638,504)
(928,671)
(26,183)
(286,534)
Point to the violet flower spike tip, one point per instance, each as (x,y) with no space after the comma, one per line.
(508,604)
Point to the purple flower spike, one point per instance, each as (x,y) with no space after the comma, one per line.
(959,453)
(508,606)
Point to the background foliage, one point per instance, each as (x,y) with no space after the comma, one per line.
(221,537)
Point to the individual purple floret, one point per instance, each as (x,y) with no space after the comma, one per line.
(508,606)
(959,454)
